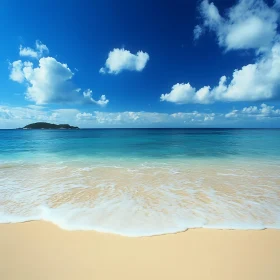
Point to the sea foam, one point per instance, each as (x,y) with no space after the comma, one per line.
(141,199)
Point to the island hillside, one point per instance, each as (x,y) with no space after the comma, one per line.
(45,125)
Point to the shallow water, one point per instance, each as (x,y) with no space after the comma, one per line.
(141,182)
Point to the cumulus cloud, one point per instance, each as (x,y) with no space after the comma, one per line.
(250,24)
(19,116)
(232,114)
(16,116)
(185,93)
(264,111)
(120,59)
(84,116)
(151,118)
(16,73)
(50,81)
(252,82)
(257,81)
(11,117)
(88,96)
(39,51)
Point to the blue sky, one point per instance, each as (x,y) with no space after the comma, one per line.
(140,63)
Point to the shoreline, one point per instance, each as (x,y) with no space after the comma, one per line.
(138,236)
(41,250)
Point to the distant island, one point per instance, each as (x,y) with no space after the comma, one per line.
(45,125)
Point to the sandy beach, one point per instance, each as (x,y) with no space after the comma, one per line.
(40,250)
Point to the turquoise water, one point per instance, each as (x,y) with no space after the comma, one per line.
(147,144)
(140,182)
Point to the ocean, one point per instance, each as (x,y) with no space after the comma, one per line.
(141,182)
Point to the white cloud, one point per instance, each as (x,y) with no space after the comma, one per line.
(185,93)
(179,94)
(232,114)
(209,117)
(20,116)
(12,117)
(197,32)
(88,96)
(40,50)
(123,118)
(250,24)
(16,71)
(84,116)
(35,107)
(258,81)
(5,113)
(210,14)
(120,59)
(50,81)
(61,116)
(264,111)
(151,118)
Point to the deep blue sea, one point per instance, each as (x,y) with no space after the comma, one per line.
(141,182)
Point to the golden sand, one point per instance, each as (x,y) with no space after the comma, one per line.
(40,250)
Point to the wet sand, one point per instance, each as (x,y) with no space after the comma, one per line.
(40,250)
(142,200)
